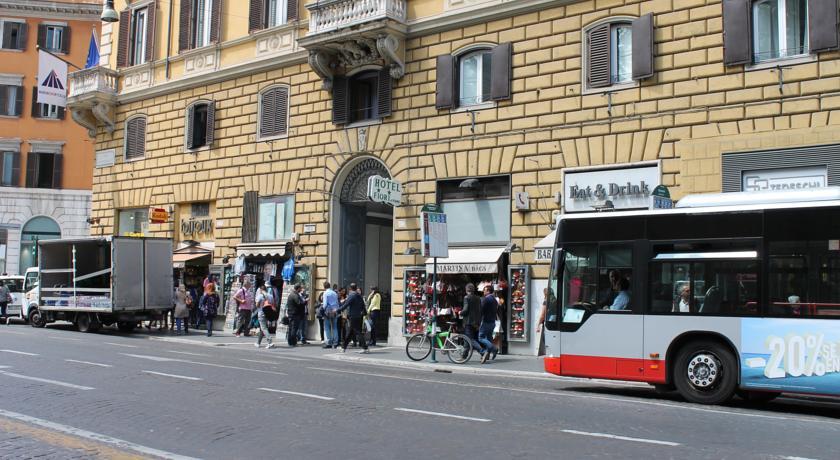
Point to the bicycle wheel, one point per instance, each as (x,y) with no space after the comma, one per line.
(418,347)
(460,348)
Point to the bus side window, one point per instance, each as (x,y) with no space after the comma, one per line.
(671,289)
(615,276)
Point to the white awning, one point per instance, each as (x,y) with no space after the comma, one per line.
(273,249)
(544,249)
(468,260)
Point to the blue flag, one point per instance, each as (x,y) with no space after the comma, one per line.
(93,52)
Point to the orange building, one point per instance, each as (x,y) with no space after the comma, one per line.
(46,160)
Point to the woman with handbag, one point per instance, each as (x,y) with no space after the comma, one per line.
(209,306)
(182,312)
(263,305)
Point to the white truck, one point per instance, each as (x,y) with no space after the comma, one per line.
(93,282)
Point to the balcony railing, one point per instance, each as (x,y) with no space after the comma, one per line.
(93,80)
(330,15)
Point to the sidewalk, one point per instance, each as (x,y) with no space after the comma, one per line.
(504,365)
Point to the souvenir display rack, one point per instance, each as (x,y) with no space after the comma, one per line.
(416,300)
(518,298)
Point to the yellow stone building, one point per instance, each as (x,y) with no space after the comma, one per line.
(267,118)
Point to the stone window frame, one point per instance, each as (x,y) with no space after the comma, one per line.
(586,89)
(462,53)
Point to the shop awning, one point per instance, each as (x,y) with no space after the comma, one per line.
(468,260)
(273,249)
(544,249)
(179,260)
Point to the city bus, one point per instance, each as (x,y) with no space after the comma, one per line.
(735,293)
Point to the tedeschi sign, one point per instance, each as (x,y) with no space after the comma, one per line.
(382,190)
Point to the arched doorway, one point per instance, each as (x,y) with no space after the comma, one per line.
(36,229)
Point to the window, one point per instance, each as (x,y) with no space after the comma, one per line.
(135,137)
(276,12)
(138,36)
(201,23)
(200,210)
(9,169)
(271,13)
(4,241)
(609,54)
(136,43)
(474,72)
(362,97)
(274,112)
(43,170)
(12,35)
(11,100)
(46,111)
(803,280)
(478,209)
(621,54)
(780,29)
(200,123)
(36,229)
(705,287)
(133,222)
(54,38)
(276,218)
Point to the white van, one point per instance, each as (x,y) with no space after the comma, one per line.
(30,293)
(15,285)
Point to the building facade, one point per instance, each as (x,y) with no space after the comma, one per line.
(46,160)
(274,117)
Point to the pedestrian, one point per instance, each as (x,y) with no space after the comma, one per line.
(181,313)
(192,303)
(273,314)
(319,315)
(263,306)
(303,323)
(244,299)
(331,306)
(489,307)
(5,300)
(209,306)
(355,308)
(471,316)
(342,318)
(295,309)
(374,305)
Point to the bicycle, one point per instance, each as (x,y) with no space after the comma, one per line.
(457,347)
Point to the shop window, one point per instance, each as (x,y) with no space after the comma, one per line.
(54,38)
(477,210)
(474,77)
(11,100)
(274,112)
(133,222)
(44,170)
(365,96)
(271,13)
(12,35)
(200,210)
(200,124)
(9,169)
(135,138)
(36,229)
(276,218)
(45,111)
(780,29)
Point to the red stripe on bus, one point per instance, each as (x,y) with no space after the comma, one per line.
(651,371)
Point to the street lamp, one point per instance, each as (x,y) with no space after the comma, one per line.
(108,12)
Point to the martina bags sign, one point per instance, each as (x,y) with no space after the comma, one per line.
(790,355)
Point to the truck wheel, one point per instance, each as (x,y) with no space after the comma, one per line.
(36,318)
(126,326)
(705,372)
(87,322)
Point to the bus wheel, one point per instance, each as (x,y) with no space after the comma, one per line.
(705,373)
(36,318)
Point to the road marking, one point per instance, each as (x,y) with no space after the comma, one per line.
(441,414)
(199,363)
(174,376)
(797,458)
(52,382)
(305,395)
(63,338)
(13,332)
(151,358)
(88,362)
(73,431)
(120,345)
(622,438)
(185,353)
(20,352)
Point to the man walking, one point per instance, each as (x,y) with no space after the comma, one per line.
(295,309)
(355,307)
(374,305)
(5,300)
(489,305)
(263,303)
(244,306)
(330,316)
(471,315)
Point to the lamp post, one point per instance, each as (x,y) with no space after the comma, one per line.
(108,12)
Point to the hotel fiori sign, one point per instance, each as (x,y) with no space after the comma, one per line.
(382,190)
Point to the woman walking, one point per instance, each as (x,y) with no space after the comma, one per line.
(209,305)
(181,313)
(263,305)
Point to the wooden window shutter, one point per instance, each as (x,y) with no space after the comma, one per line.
(42,35)
(150,32)
(4,99)
(18,101)
(58,161)
(501,71)
(188,128)
(184,26)
(282,104)
(385,88)
(822,23)
(211,123)
(598,57)
(340,106)
(31,169)
(61,112)
(125,31)
(737,35)
(135,138)
(256,19)
(2,163)
(65,40)
(250,209)
(268,113)
(22,36)
(291,10)
(36,109)
(445,85)
(15,169)
(216,21)
(643,47)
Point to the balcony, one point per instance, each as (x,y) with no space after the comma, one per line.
(346,34)
(93,98)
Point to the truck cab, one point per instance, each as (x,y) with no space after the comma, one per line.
(30,294)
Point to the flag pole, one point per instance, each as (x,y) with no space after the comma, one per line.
(38,47)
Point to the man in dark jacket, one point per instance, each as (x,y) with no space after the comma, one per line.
(356,310)
(471,315)
(295,309)
(489,306)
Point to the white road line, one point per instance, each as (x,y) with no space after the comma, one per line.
(174,376)
(441,414)
(88,363)
(13,332)
(622,438)
(797,458)
(20,352)
(52,382)
(151,358)
(63,338)
(198,363)
(73,431)
(295,393)
(185,353)
(120,345)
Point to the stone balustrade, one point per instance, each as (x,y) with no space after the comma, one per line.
(331,15)
(93,80)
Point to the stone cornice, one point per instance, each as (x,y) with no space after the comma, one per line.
(51,10)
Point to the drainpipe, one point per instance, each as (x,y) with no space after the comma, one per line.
(169,37)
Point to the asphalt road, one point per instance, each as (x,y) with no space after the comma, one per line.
(65,394)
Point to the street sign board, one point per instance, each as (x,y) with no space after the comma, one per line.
(433,234)
(158,216)
(382,190)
